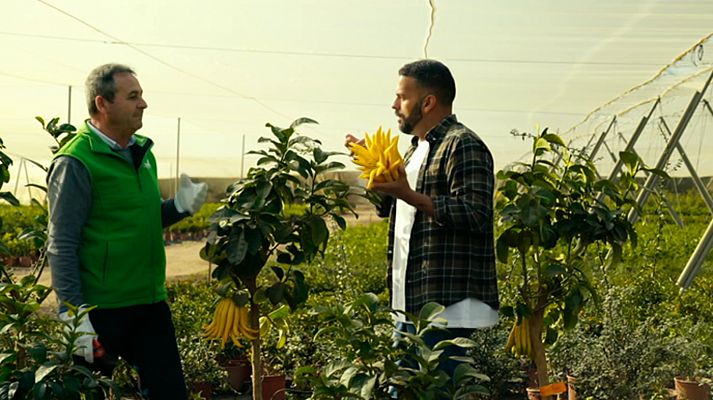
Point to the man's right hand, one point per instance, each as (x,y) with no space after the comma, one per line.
(81,326)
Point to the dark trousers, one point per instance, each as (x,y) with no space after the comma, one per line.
(144,336)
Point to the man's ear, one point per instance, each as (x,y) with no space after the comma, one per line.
(100,102)
(429,103)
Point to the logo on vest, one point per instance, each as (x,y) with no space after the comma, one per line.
(147,164)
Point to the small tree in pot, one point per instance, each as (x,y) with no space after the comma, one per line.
(256,223)
(552,212)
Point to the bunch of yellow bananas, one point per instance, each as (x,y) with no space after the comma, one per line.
(379,161)
(230,321)
(519,342)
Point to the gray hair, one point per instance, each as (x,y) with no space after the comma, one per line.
(100,82)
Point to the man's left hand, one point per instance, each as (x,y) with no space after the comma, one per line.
(398,188)
(190,196)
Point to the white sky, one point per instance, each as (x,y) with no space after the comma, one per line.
(226,67)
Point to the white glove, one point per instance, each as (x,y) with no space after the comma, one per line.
(84,344)
(190,196)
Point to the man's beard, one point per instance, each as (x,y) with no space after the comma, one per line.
(407,124)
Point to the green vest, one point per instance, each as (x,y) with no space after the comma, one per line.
(121,252)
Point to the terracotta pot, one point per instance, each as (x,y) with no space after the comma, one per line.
(273,387)
(691,390)
(204,388)
(571,393)
(533,394)
(25,261)
(239,372)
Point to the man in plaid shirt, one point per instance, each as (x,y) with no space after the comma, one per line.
(441,224)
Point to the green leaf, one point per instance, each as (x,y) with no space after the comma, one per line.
(320,232)
(630,159)
(276,293)
(303,120)
(553,269)
(43,371)
(430,311)
(553,138)
(237,247)
(541,146)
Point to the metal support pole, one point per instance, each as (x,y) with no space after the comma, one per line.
(69,105)
(603,136)
(634,138)
(242,159)
(178,154)
(694,263)
(651,181)
(694,175)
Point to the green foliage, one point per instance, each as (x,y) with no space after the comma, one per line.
(191,306)
(36,351)
(21,229)
(551,210)
(353,263)
(252,225)
(5,163)
(507,376)
(198,222)
(367,364)
(628,353)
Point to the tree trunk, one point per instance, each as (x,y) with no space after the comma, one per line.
(538,347)
(256,358)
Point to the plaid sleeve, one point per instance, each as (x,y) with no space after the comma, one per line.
(469,171)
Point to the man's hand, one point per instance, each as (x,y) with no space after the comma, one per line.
(401,190)
(349,139)
(398,188)
(190,196)
(84,343)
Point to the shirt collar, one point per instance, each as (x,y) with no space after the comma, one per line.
(111,142)
(439,131)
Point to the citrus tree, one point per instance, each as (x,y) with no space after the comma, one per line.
(557,220)
(278,214)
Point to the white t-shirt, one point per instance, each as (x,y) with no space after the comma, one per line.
(467,313)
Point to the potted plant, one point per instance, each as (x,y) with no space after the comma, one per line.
(369,366)
(200,367)
(256,225)
(692,389)
(235,360)
(553,210)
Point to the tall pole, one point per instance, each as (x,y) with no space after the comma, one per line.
(69,105)
(242,158)
(178,154)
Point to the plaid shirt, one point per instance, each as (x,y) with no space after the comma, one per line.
(451,255)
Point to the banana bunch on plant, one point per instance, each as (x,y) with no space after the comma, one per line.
(380,159)
(519,342)
(230,321)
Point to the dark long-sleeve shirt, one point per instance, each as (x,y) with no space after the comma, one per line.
(451,255)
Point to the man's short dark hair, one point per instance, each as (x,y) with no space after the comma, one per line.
(433,76)
(100,82)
